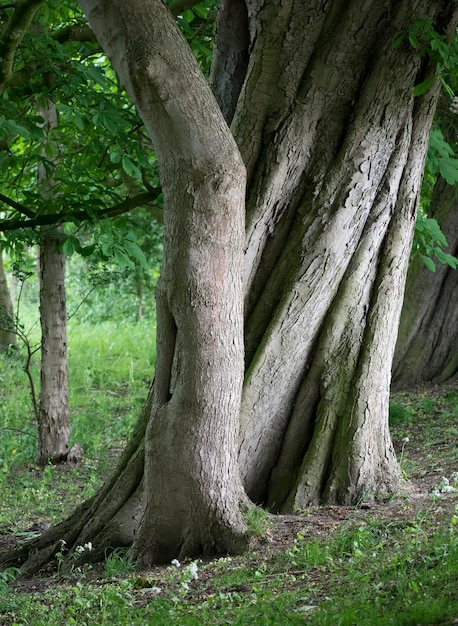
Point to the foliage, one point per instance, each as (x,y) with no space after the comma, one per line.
(98,154)
(430,242)
(197,25)
(440,50)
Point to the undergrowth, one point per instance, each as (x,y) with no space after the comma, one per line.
(373,569)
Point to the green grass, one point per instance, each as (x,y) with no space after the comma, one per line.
(371,573)
(371,570)
(110,367)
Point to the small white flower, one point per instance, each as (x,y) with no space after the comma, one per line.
(176,563)
(88,546)
(192,569)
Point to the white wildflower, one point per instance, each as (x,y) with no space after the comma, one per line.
(176,563)
(192,569)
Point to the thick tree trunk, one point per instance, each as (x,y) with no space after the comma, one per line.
(330,218)
(53,418)
(192,485)
(7,328)
(427,347)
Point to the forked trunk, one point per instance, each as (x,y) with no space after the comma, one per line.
(427,348)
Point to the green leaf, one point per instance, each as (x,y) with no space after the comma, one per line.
(448,169)
(188,16)
(428,262)
(446,258)
(67,247)
(413,39)
(423,87)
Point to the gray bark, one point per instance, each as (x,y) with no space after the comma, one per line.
(329,223)
(7,327)
(53,418)
(427,347)
(192,486)
(53,415)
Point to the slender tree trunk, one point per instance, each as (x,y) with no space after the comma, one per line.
(53,416)
(427,347)
(7,334)
(53,419)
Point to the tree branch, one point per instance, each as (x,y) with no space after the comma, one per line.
(76,33)
(12,35)
(76,216)
(15,205)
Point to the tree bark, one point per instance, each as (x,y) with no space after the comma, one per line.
(192,486)
(427,347)
(7,327)
(330,219)
(53,414)
(53,418)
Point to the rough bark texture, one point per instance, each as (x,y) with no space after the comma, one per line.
(7,334)
(192,487)
(53,415)
(427,347)
(53,419)
(334,153)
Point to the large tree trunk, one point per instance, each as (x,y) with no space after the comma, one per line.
(427,347)
(334,144)
(7,327)
(334,157)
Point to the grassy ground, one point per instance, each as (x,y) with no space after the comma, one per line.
(392,562)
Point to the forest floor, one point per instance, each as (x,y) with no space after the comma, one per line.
(383,562)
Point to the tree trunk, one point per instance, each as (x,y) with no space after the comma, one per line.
(53,418)
(334,145)
(53,414)
(7,327)
(192,486)
(427,347)
(330,218)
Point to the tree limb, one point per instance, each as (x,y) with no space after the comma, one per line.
(15,205)
(12,35)
(126,205)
